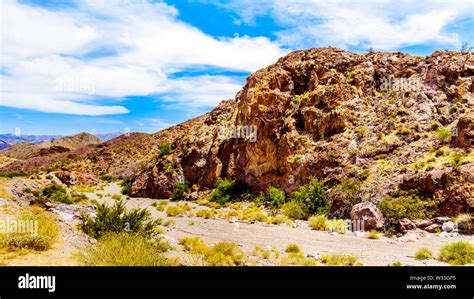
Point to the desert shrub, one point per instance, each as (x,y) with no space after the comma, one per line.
(275,196)
(298,260)
(84,188)
(337,225)
(47,231)
(406,204)
(350,188)
(338,259)
(443,134)
(373,235)
(78,197)
(165,149)
(423,254)
(116,218)
(313,196)
(107,178)
(294,210)
(395,264)
(173,211)
(225,191)
(463,221)
(255,214)
(180,191)
(56,193)
(125,249)
(318,222)
(225,254)
(116,197)
(279,219)
(293,248)
(194,245)
(206,213)
(457,253)
(456,161)
(126,185)
(27,241)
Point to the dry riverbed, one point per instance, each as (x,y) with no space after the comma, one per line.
(380,252)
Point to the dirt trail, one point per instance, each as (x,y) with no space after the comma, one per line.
(379,252)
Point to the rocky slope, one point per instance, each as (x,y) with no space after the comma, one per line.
(25,150)
(388,121)
(369,124)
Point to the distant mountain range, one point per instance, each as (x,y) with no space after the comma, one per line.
(9,139)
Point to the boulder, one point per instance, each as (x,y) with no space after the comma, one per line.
(370,215)
(423,223)
(448,226)
(433,228)
(405,225)
(442,220)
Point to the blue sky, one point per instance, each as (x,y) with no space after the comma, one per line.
(106,66)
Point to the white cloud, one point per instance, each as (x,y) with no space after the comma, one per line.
(384,25)
(45,65)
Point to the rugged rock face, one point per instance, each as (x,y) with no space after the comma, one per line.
(387,121)
(377,122)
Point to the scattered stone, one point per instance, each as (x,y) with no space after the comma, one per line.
(433,228)
(359,234)
(422,223)
(50,205)
(405,225)
(448,226)
(410,236)
(77,216)
(442,220)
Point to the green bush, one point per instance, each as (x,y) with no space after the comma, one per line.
(293,248)
(443,134)
(313,196)
(225,254)
(165,149)
(337,259)
(126,185)
(406,204)
(457,253)
(456,161)
(318,222)
(194,245)
(423,254)
(294,210)
(226,191)
(180,191)
(57,193)
(116,218)
(125,249)
(276,197)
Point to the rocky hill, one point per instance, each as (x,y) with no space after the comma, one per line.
(25,150)
(72,142)
(368,124)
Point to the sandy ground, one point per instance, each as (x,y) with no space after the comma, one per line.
(379,252)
